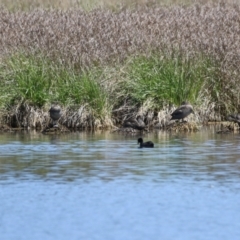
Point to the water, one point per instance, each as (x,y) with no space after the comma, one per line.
(102,186)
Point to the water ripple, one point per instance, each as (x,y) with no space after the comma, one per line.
(194,156)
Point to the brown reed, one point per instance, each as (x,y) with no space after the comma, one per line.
(103,37)
(26,5)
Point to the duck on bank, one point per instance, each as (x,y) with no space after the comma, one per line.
(55,114)
(135,124)
(182,112)
(234,118)
(148,144)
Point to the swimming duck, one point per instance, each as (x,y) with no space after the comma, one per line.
(148,144)
(183,111)
(55,113)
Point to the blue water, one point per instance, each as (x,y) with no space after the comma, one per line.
(102,186)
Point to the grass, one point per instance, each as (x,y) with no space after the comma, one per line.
(87,5)
(106,60)
(82,88)
(165,79)
(30,79)
(38,81)
(157,80)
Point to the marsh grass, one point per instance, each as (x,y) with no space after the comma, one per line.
(165,79)
(143,86)
(83,88)
(89,5)
(30,80)
(106,64)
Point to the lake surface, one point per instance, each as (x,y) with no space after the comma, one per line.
(101,186)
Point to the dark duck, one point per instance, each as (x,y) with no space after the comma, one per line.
(55,113)
(183,111)
(142,144)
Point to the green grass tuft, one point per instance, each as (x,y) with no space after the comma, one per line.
(163,79)
(82,88)
(39,81)
(27,78)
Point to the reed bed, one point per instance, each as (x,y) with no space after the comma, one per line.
(140,60)
(88,5)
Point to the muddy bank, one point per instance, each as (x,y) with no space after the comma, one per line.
(80,118)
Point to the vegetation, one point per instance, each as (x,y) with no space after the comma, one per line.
(37,81)
(164,79)
(87,5)
(103,66)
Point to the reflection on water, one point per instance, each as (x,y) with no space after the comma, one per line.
(100,185)
(107,156)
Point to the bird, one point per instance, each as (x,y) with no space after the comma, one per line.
(137,124)
(55,113)
(183,111)
(148,144)
(234,118)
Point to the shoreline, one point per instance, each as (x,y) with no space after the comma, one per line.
(186,127)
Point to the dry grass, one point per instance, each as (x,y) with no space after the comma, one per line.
(183,127)
(103,37)
(26,5)
(228,127)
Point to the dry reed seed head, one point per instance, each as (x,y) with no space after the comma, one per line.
(102,37)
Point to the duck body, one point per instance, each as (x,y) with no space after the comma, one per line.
(148,144)
(137,124)
(133,125)
(183,111)
(234,118)
(55,113)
